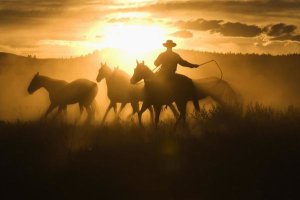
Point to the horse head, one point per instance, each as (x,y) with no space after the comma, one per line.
(34,84)
(139,72)
(103,72)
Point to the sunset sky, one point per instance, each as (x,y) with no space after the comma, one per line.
(53,28)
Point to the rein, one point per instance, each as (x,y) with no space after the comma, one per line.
(221,72)
(218,66)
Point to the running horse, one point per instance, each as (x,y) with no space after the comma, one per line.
(62,93)
(119,90)
(160,92)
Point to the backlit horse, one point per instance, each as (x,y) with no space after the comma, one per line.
(159,91)
(62,93)
(219,90)
(119,90)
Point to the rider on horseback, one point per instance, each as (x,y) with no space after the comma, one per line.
(168,79)
(168,61)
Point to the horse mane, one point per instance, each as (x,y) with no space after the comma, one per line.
(120,73)
(53,80)
(148,68)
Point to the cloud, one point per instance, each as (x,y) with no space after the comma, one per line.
(182,34)
(239,30)
(295,38)
(234,29)
(119,20)
(199,24)
(9,17)
(33,12)
(282,32)
(280,29)
(252,7)
(19,43)
(133,20)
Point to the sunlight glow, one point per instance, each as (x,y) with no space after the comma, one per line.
(131,42)
(127,42)
(137,15)
(134,39)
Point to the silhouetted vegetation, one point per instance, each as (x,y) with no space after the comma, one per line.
(223,155)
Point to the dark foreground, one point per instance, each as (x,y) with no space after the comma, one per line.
(221,156)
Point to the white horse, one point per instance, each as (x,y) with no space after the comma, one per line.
(62,93)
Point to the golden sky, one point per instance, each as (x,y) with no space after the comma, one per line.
(64,28)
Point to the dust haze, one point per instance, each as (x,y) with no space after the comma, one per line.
(269,80)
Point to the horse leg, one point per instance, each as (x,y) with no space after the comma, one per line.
(144,107)
(50,108)
(157,109)
(64,112)
(135,109)
(80,109)
(94,106)
(107,110)
(115,108)
(93,110)
(89,111)
(174,110)
(80,113)
(60,109)
(151,113)
(195,99)
(121,108)
(182,110)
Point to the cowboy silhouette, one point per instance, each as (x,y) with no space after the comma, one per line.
(168,60)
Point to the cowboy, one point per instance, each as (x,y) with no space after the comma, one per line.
(168,60)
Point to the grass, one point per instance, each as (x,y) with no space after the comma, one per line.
(222,155)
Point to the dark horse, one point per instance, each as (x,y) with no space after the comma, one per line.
(62,93)
(159,91)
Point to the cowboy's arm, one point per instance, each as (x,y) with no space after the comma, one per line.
(157,62)
(185,63)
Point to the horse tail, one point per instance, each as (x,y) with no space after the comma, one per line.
(93,93)
(95,107)
(94,90)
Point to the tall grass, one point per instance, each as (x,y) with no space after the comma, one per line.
(221,154)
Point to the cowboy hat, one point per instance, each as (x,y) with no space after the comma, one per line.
(169,43)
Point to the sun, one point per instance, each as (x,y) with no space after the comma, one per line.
(134,39)
(131,42)
(122,43)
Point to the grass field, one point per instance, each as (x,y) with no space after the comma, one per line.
(221,155)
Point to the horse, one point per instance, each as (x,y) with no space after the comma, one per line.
(62,93)
(160,91)
(219,90)
(119,90)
